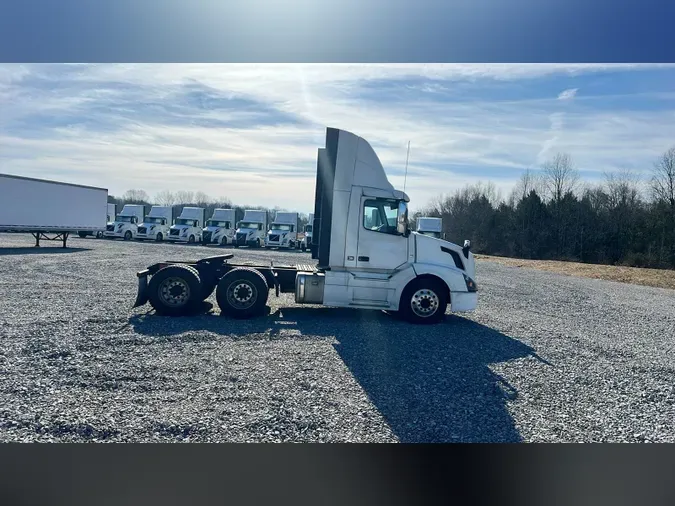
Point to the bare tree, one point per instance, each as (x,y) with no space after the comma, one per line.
(202,199)
(622,189)
(185,197)
(560,177)
(136,197)
(663,180)
(165,198)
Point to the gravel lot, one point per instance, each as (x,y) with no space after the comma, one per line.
(545,358)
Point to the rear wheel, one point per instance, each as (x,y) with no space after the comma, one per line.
(424,301)
(242,293)
(175,290)
(128,235)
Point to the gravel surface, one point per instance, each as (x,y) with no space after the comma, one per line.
(544,358)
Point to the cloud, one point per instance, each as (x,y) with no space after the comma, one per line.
(250,132)
(568,94)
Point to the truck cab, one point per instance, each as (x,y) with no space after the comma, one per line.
(220,228)
(251,231)
(432,227)
(156,224)
(188,226)
(307,239)
(283,232)
(126,223)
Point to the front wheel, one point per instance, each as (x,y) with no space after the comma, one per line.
(99,235)
(424,301)
(223,241)
(127,235)
(242,293)
(159,237)
(191,239)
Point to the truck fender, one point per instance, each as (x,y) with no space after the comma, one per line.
(452,277)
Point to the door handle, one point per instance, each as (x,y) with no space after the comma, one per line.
(364,259)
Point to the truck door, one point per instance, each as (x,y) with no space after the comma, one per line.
(380,247)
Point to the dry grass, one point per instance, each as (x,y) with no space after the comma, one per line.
(634,275)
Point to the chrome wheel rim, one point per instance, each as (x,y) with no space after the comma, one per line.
(174,291)
(241,294)
(424,303)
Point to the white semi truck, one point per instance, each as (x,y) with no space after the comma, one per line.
(126,222)
(283,231)
(251,231)
(366,257)
(188,226)
(220,227)
(430,226)
(156,224)
(307,239)
(50,210)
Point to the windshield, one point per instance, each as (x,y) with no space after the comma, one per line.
(281,226)
(125,219)
(218,223)
(308,228)
(184,221)
(151,219)
(250,224)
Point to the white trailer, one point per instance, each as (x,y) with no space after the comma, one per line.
(366,256)
(188,226)
(220,227)
(251,231)
(43,208)
(430,226)
(283,231)
(126,222)
(307,239)
(156,224)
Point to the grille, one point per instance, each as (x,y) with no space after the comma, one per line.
(110,228)
(241,237)
(142,230)
(274,238)
(207,236)
(174,232)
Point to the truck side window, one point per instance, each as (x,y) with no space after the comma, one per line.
(379,215)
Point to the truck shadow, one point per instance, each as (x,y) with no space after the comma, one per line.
(431,383)
(42,250)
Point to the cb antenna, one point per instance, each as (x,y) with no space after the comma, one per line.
(405,177)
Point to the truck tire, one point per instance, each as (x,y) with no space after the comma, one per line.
(424,301)
(128,235)
(175,290)
(242,293)
(223,241)
(159,237)
(191,239)
(99,235)
(304,248)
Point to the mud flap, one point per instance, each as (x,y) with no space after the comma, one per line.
(142,295)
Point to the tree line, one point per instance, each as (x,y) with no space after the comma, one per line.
(550,214)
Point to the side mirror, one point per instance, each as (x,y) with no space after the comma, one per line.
(402,219)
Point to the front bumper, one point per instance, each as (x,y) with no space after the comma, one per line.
(463,302)
(113,234)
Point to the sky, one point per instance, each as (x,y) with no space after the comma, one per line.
(250,132)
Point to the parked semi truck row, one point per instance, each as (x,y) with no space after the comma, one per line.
(252,230)
(283,231)
(366,256)
(156,224)
(126,222)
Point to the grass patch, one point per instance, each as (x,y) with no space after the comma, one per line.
(660,278)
